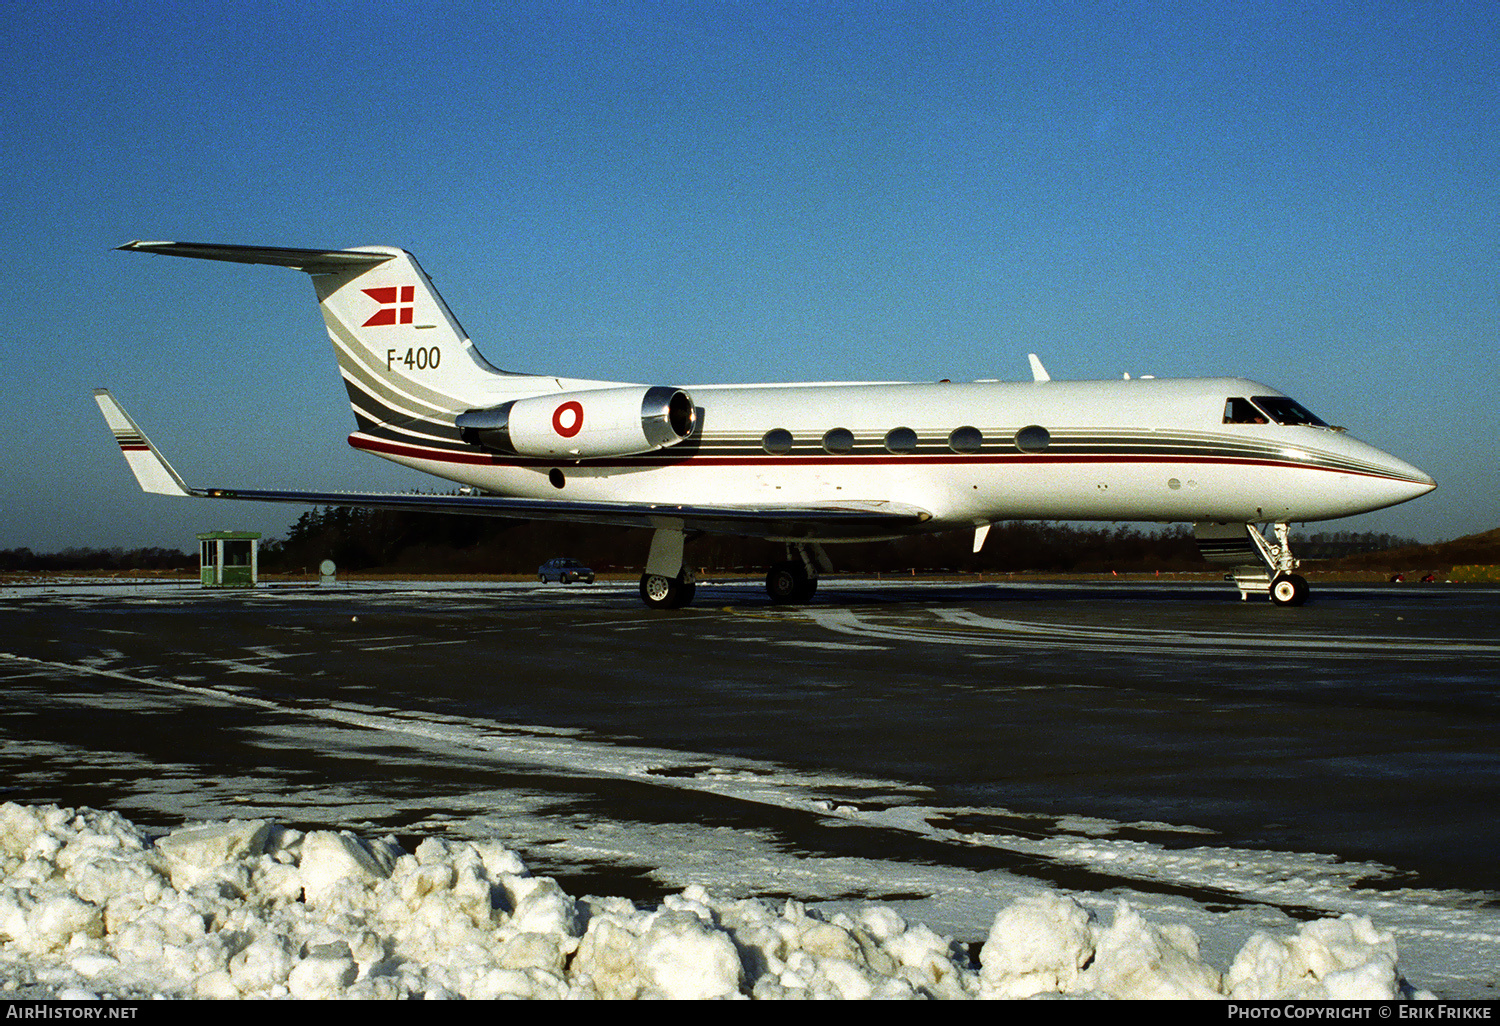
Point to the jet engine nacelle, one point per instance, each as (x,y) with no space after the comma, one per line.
(584,425)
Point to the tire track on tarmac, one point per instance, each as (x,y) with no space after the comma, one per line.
(962,627)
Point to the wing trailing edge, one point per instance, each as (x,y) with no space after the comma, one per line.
(851,520)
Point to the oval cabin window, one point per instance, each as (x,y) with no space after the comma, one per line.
(777,442)
(965,439)
(1033,439)
(839,441)
(900,440)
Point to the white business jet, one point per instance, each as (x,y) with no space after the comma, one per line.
(805,464)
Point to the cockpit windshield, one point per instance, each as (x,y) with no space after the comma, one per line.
(1242,411)
(1262,409)
(1287,411)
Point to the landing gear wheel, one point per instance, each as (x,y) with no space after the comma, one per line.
(660,592)
(789,583)
(1289,590)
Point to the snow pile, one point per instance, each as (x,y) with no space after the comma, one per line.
(1049,944)
(91,906)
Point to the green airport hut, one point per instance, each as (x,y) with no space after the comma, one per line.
(229,559)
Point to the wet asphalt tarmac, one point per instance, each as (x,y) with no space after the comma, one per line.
(1363,725)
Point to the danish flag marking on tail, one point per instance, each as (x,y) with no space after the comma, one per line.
(395,305)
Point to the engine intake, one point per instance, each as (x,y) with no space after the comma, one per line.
(587,425)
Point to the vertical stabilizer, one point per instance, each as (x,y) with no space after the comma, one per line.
(408,365)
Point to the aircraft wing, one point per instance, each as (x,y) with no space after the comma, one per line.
(858,519)
(855,519)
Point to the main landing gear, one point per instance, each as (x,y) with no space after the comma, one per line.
(660,592)
(1258,566)
(669,584)
(789,583)
(795,580)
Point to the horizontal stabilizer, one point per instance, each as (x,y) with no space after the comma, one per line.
(313,261)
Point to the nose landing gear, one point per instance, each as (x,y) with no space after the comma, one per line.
(1240,546)
(1289,589)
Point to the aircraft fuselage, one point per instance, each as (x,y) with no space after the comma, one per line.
(1146,449)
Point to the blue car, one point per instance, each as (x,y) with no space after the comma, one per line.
(564,571)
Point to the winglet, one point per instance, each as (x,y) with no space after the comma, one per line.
(1038,372)
(153,472)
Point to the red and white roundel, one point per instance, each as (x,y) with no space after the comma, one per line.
(567,419)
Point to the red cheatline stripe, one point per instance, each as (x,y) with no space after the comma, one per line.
(369,444)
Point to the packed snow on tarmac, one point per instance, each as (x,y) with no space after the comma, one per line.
(93,907)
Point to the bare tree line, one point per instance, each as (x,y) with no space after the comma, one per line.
(365,539)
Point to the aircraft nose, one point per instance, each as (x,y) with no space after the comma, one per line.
(1419,479)
(1403,482)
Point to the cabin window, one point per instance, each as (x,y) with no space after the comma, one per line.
(1033,438)
(900,440)
(839,441)
(965,439)
(777,442)
(1243,411)
(1286,411)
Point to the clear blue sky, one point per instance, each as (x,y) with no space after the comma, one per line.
(663,192)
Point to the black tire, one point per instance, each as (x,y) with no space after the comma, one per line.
(666,592)
(787,583)
(1289,590)
(658,592)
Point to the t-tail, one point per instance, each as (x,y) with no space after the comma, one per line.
(409,367)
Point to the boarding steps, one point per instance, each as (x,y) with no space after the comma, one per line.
(1250,579)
